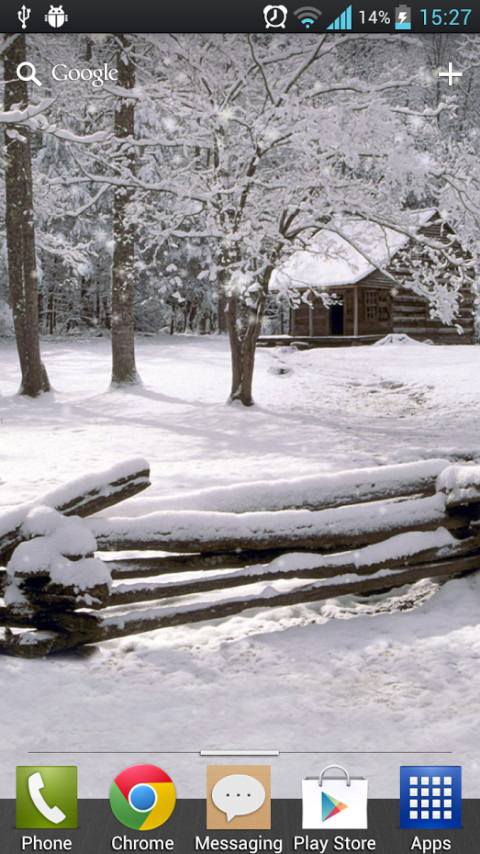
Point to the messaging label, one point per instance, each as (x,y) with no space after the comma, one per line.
(238,797)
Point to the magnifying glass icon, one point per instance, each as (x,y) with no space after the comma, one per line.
(26,71)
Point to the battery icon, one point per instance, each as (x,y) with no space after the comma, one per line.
(403,18)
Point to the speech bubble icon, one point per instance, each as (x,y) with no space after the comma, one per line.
(238,794)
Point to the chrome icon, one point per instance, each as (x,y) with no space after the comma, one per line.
(142,797)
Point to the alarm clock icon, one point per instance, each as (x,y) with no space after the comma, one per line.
(275,16)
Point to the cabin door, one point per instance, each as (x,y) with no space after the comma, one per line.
(336,319)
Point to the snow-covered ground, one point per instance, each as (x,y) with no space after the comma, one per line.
(373,683)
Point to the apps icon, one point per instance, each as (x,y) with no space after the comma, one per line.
(430,796)
(238,797)
(334,802)
(46,796)
(142,797)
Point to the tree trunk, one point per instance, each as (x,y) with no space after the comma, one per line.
(222,324)
(20,229)
(243,335)
(124,371)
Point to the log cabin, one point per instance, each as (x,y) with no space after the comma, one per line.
(371,288)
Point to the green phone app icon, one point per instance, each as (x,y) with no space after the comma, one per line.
(46,796)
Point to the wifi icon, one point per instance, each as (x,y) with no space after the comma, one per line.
(307,15)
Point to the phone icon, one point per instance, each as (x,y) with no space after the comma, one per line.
(35,786)
(46,796)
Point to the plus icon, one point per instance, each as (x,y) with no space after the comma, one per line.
(451,74)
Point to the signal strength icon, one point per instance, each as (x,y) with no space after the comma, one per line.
(343,22)
(307,15)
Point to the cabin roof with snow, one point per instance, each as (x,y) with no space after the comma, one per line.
(332,259)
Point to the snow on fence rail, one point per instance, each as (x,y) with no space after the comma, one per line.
(311,492)
(81,497)
(366,531)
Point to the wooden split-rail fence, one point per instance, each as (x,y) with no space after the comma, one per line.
(69,581)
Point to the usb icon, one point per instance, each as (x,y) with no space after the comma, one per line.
(23,16)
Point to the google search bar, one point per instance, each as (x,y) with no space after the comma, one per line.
(62,73)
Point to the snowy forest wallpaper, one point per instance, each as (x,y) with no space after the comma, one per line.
(155,191)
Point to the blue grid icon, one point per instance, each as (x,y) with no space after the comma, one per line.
(430,796)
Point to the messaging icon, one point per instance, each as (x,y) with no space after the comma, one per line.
(238,797)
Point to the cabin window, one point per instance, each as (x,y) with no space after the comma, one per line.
(371,305)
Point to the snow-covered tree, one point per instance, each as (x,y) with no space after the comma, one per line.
(19,221)
(123,268)
(281,142)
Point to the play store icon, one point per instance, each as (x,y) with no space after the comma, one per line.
(331,807)
(335,800)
